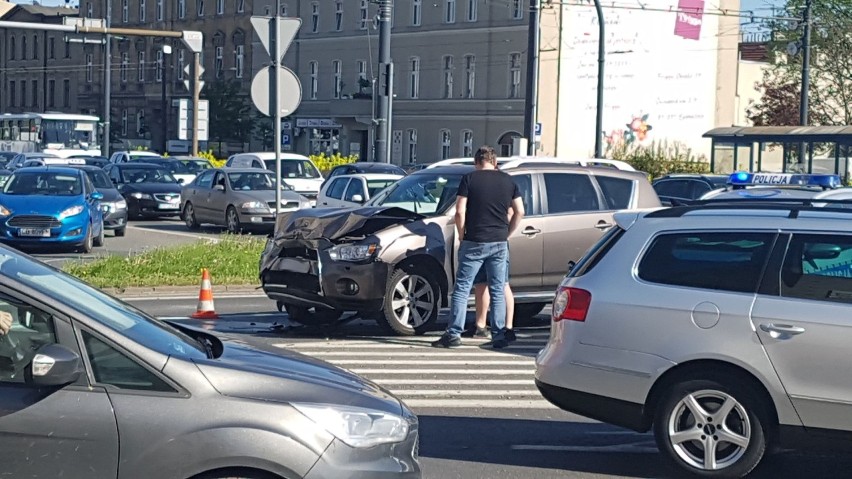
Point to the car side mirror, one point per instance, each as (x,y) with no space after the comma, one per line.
(97,196)
(357,198)
(180,181)
(55,365)
(219,187)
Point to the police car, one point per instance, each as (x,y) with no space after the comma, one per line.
(781,186)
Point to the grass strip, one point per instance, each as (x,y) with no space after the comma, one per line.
(232,260)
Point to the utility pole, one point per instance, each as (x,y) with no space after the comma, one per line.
(601,65)
(531,104)
(196,94)
(385,90)
(164,78)
(107,80)
(806,74)
(276,103)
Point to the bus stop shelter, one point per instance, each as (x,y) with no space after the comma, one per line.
(779,148)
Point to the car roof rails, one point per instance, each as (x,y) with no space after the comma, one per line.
(793,205)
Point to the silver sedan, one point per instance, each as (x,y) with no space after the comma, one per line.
(237,198)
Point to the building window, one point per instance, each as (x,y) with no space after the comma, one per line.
(142,8)
(125,63)
(220,7)
(239,57)
(141,71)
(283,9)
(337,68)
(140,122)
(445,144)
(314,80)
(159,68)
(416,13)
(414,78)
(51,48)
(219,66)
(448,76)
(517,7)
(362,72)
(199,7)
(125,11)
(241,6)
(89,67)
(181,8)
(35,47)
(472,7)
(365,15)
(160,10)
(124,122)
(338,16)
(514,75)
(470,76)
(450,11)
(35,93)
(67,49)
(411,140)
(23,47)
(51,93)
(13,98)
(90,10)
(467,144)
(23,93)
(66,93)
(314,17)
(181,63)
(12,48)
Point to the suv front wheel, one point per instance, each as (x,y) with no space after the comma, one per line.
(712,428)
(412,301)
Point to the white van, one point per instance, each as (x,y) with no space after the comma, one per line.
(298,171)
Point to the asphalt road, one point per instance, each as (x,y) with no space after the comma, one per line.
(141,235)
(480,414)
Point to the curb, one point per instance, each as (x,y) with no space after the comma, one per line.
(163,291)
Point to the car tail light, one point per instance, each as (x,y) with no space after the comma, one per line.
(571,304)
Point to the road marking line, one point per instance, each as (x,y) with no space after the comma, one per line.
(473,392)
(616,448)
(212,239)
(468,353)
(371,343)
(460,382)
(430,362)
(455,372)
(479,404)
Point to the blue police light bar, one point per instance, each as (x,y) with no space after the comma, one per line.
(742,178)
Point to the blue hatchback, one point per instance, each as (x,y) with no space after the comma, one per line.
(51,206)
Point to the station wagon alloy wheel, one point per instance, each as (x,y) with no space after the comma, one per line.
(709,430)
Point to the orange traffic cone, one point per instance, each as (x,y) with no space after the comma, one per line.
(205,309)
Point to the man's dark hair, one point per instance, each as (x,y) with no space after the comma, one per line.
(485,154)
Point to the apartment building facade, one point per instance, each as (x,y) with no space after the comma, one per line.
(40,71)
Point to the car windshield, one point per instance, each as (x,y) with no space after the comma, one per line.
(375,186)
(194,166)
(147,175)
(100,180)
(425,194)
(43,183)
(98,306)
(253,181)
(382,168)
(295,169)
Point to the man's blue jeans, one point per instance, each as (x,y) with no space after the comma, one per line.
(473,256)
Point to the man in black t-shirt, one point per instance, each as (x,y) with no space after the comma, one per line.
(484,198)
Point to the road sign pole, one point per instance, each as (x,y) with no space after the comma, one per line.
(276,102)
(196,94)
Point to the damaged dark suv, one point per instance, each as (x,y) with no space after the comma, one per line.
(395,258)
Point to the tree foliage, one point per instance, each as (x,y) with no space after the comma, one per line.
(231,115)
(830,92)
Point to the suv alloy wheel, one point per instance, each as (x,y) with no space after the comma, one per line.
(412,301)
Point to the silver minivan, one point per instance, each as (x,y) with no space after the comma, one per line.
(725,328)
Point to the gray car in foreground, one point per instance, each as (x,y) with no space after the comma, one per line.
(92,388)
(724,327)
(237,198)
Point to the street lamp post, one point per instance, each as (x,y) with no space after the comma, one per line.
(164,78)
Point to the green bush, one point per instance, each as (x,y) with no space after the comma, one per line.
(661,158)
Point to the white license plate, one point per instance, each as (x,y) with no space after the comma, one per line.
(167,206)
(34,232)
